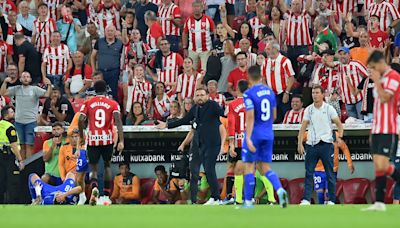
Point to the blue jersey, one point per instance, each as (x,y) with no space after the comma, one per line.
(82,162)
(261,99)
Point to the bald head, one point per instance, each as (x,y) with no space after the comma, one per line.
(297,6)
(110,32)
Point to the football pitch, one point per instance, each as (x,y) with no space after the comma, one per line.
(338,216)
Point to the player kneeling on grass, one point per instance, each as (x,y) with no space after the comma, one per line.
(72,158)
(45,194)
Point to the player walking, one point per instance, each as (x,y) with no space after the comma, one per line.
(261,111)
(384,133)
(101,113)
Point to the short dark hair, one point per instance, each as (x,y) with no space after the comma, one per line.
(19,36)
(254,73)
(298,96)
(243,85)
(100,87)
(319,87)
(375,57)
(97,73)
(202,88)
(4,111)
(58,124)
(160,168)
(241,53)
(395,66)
(124,163)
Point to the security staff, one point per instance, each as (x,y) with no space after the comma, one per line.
(11,162)
(204,117)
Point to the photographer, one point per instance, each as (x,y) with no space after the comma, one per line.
(51,150)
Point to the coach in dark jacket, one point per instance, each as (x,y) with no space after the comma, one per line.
(204,118)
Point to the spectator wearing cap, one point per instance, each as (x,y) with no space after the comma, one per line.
(57,108)
(321,25)
(27,57)
(79,78)
(51,151)
(350,72)
(126,186)
(27,108)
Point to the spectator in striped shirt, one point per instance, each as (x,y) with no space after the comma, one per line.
(56,61)
(43,26)
(198,35)
(188,81)
(245,46)
(214,94)
(169,15)
(161,103)
(295,115)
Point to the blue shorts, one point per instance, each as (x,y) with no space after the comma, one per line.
(49,191)
(320,181)
(26,132)
(263,153)
(82,164)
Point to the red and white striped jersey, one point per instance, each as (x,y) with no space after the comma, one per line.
(130,51)
(138,91)
(156,2)
(368,3)
(219,98)
(56,59)
(43,30)
(256,25)
(187,84)
(386,12)
(107,17)
(170,70)
(91,13)
(237,121)
(346,6)
(199,33)
(276,73)
(10,36)
(8,6)
(164,13)
(232,2)
(281,36)
(53,5)
(99,112)
(3,56)
(298,33)
(294,117)
(161,107)
(153,34)
(355,71)
(385,114)
(327,77)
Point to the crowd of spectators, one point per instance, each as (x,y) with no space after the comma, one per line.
(154,54)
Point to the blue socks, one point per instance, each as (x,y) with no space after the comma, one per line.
(274,179)
(321,197)
(249,183)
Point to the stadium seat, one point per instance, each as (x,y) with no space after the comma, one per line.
(354,190)
(296,190)
(339,190)
(77,103)
(146,189)
(39,140)
(389,190)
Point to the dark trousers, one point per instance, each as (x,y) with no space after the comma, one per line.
(323,151)
(112,77)
(292,53)
(201,154)
(282,108)
(9,180)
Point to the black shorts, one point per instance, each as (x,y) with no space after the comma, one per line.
(238,156)
(230,9)
(384,144)
(94,153)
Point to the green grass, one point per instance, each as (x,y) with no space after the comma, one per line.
(339,216)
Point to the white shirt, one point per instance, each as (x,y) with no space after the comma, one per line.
(320,127)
